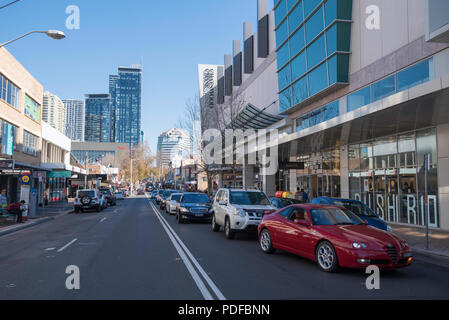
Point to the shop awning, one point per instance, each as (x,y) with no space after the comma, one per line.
(252,117)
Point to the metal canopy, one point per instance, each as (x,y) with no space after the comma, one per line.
(253,118)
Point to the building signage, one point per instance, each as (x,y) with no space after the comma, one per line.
(7,139)
(59,174)
(292,166)
(208,77)
(7,164)
(25,179)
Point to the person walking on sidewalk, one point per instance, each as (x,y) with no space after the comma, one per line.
(3,203)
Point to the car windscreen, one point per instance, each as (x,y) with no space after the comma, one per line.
(119,193)
(176,197)
(196,198)
(90,194)
(358,208)
(249,198)
(334,217)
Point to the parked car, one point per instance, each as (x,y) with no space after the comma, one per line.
(119,195)
(109,196)
(359,208)
(141,192)
(194,207)
(281,203)
(165,195)
(239,210)
(153,194)
(333,237)
(172,203)
(90,199)
(159,196)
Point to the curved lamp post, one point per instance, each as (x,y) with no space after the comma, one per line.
(54,34)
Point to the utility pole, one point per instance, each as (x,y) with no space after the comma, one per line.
(427,165)
(85,177)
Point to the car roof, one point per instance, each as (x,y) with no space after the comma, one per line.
(310,206)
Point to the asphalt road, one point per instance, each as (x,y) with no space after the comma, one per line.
(132,251)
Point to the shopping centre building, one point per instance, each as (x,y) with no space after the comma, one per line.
(362,96)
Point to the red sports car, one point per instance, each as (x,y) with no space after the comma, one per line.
(333,237)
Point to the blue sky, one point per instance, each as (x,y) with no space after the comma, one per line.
(170,37)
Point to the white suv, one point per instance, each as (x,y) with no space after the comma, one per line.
(239,210)
(88,200)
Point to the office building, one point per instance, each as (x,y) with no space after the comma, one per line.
(173,146)
(125,91)
(98,118)
(75,119)
(362,99)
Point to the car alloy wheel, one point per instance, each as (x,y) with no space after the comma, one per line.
(326,257)
(228,231)
(266,243)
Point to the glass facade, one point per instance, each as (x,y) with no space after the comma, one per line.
(9,92)
(32,109)
(8,138)
(313,46)
(98,118)
(128,105)
(318,116)
(400,81)
(387,175)
(92,156)
(321,174)
(30,143)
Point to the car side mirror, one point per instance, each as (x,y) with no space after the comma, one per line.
(365,222)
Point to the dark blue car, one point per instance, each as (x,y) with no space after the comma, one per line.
(357,207)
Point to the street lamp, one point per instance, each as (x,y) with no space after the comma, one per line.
(132,182)
(54,34)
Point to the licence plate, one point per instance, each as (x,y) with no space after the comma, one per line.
(199,215)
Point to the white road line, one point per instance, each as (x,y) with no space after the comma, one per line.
(190,255)
(67,245)
(104,219)
(200,284)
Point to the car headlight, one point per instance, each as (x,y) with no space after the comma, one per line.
(389,229)
(184,210)
(360,245)
(240,212)
(404,244)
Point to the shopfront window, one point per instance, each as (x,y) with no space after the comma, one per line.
(387,175)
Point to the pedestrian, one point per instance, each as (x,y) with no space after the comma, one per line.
(3,203)
(305,196)
(298,195)
(17,209)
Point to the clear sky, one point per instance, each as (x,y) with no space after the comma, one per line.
(170,37)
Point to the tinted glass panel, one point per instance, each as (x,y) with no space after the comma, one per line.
(302,123)
(333,69)
(414,76)
(384,88)
(316,52)
(318,79)
(331,111)
(285,100)
(330,9)
(300,92)
(297,42)
(309,5)
(299,66)
(315,25)
(284,77)
(283,55)
(291,4)
(295,18)
(280,11)
(331,35)
(359,99)
(282,33)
